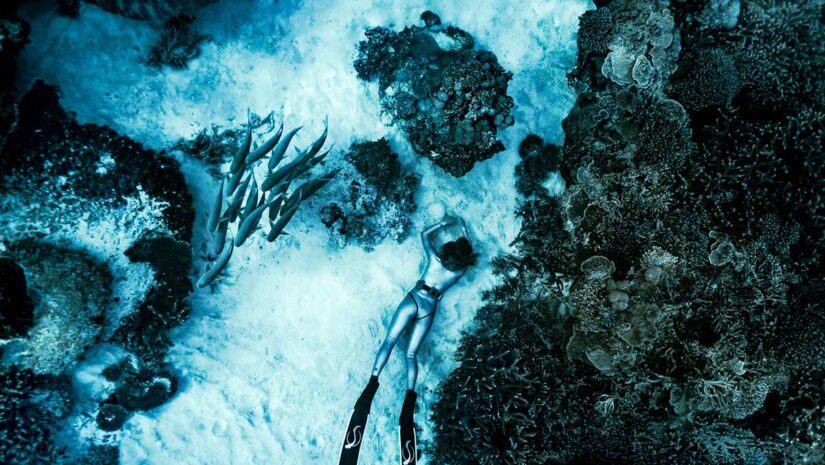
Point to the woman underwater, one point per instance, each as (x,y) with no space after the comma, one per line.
(444,267)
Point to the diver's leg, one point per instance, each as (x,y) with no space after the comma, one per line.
(403,314)
(421,327)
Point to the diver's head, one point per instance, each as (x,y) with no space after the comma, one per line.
(457,255)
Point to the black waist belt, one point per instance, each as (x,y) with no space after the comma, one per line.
(431,291)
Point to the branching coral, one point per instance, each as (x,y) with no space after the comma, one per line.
(708,79)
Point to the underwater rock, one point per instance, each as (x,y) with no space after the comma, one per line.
(160,10)
(48,149)
(74,292)
(378,197)
(138,387)
(16,308)
(177,45)
(449,98)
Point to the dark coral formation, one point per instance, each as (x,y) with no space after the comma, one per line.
(31,409)
(667,308)
(378,197)
(538,159)
(49,155)
(136,390)
(146,331)
(49,150)
(449,98)
(73,292)
(177,45)
(155,10)
(214,146)
(14,33)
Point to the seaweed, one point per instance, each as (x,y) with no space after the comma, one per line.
(177,45)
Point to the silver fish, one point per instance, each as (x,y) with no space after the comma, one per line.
(243,150)
(316,146)
(307,163)
(215,212)
(219,237)
(275,208)
(237,198)
(218,266)
(232,183)
(276,177)
(249,224)
(280,149)
(251,199)
(264,148)
(314,185)
(275,228)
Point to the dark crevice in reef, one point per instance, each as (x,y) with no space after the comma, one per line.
(449,97)
(667,308)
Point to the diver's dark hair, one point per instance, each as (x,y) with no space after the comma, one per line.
(457,255)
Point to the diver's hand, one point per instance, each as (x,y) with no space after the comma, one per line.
(449,219)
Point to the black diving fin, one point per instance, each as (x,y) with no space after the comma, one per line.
(357,422)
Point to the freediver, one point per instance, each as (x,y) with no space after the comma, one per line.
(443,268)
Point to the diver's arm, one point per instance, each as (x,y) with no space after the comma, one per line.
(425,237)
(464,229)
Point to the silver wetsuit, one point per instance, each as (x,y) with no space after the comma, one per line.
(418,308)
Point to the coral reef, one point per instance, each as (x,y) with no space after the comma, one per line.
(94,175)
(449,98)
(31,408)
(177,44)
(157,10)
(667,307)
(378,197)
(49,150)
(138,388)
(73,293)
(146,331)
(214,146)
